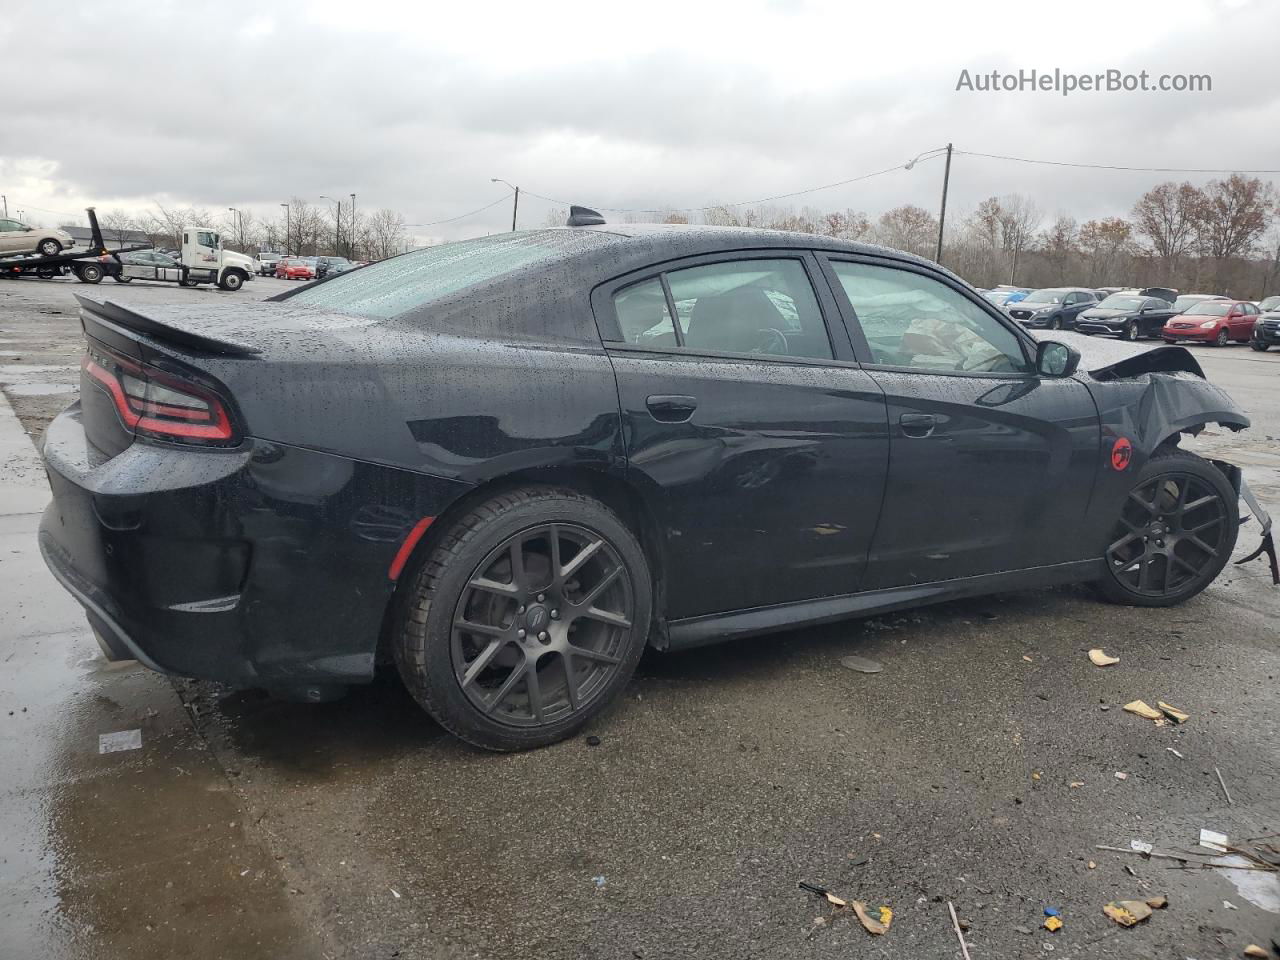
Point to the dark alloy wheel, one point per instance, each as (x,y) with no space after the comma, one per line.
(526,620)
(1259,345)
(1221,339)
(1176,531)
(1055,323)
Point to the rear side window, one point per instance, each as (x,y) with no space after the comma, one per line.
(413,280)
(910,320)
(742,306)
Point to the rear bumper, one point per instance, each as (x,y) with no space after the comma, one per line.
(260,566)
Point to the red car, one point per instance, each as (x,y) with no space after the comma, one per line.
(1213,321)
(295,268)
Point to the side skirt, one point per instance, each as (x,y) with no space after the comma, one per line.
(719,627)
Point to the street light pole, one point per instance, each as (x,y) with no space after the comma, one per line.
(6,205)
(352,231)
(236,217)
(515,206)
(286,228)
(942,213)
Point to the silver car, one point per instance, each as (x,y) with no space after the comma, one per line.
(17,237)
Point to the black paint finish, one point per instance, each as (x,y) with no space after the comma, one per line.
(769,491)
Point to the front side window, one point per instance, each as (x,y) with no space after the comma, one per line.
(911,320)
(749,306)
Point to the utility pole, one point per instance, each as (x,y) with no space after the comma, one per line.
(514,206)
(942,214)
(286,228)
(352,243)
(6,205)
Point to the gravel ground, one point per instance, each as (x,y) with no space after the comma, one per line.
(979,767)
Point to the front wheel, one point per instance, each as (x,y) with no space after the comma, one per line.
(527,618)
(1055,323)
(1260,347)
(1176,530)
(49,247)
(1221,339)
(232,280)
(90,273)
(1131,331)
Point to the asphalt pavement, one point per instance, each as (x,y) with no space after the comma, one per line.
(980,767)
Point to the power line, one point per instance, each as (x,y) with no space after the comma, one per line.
(462,216)
(927,155)
(1109,166)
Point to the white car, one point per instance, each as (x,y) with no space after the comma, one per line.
(17,237)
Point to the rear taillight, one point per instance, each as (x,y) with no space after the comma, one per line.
(154,403)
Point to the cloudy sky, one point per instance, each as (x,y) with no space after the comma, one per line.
(416,105)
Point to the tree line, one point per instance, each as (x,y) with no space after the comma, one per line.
(302,229)
(1223,238)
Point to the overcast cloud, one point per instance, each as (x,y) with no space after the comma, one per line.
(414,106)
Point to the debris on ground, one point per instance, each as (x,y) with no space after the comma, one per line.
(120,740)
(955,925)
(861,664)
(1173,713)
(1140,846)
(1213,840)
(1229,905)
(1092,865)
(1121,775)
(1223,784)
(1175,753)
(1128,912)
(1253,950)
(877,927)
(1101,659)
(593,741)
(1053,924)
(1143,709)
(1028,659)
(599,881)
(1075,783)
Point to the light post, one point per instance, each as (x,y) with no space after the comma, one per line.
(237,217)
(6,205)
(286,228)
(352,231)
(514,206)
(337,225)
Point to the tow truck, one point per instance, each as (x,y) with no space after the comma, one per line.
(202,261)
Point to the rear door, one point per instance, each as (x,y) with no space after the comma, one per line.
(1155,314)
(757,440)
(990,465)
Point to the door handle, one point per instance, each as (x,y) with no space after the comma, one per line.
(668,408)
(917,424)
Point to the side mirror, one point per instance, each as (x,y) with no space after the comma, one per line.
(28,229)
(1054,359)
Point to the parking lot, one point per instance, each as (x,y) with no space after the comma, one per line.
(980,766)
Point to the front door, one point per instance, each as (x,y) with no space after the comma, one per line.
(991,466)
(759,444)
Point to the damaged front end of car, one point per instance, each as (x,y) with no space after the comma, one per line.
(1148,397)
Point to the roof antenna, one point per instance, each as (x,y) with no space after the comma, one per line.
(584,217)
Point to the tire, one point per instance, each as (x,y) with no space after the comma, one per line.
(1130,332)
(1167,340)
(484,706)
(48,273)
(1175,551)
(121,278)
(90,273)
(1055,323)
(49,247)
(1260,347)
(232,280)
(187,283)
(1221,339)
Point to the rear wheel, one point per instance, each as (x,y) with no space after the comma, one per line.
(1176,530)
(90,273)
(1260,347)
(121,278)
(527,619)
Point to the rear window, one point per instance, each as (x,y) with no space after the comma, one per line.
(412,280)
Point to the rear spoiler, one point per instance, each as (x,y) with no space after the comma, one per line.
(122,316)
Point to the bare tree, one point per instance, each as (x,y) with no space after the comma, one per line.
(1019,219)
(383,234)
(1108,247)
(1058,245)
(908,228)
(117,225)
(1168,215)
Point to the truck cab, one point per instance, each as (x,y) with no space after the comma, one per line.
(206,262)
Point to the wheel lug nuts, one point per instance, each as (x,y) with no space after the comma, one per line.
(520,633)
(555,614)
(520,609)
(542,635)
(541,597)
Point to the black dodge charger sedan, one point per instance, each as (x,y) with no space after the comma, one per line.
(506,465)
(1129,316)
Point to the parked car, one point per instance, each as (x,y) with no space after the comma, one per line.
(141,265)
(1213,321)
(1126,315)
(566,444)
(1003,296)
(1188,300)
(1269,304)
(16,237)
(296,268)
(1266,329)
(1167,294)
(267,264)
(1054,308)
(328,265)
